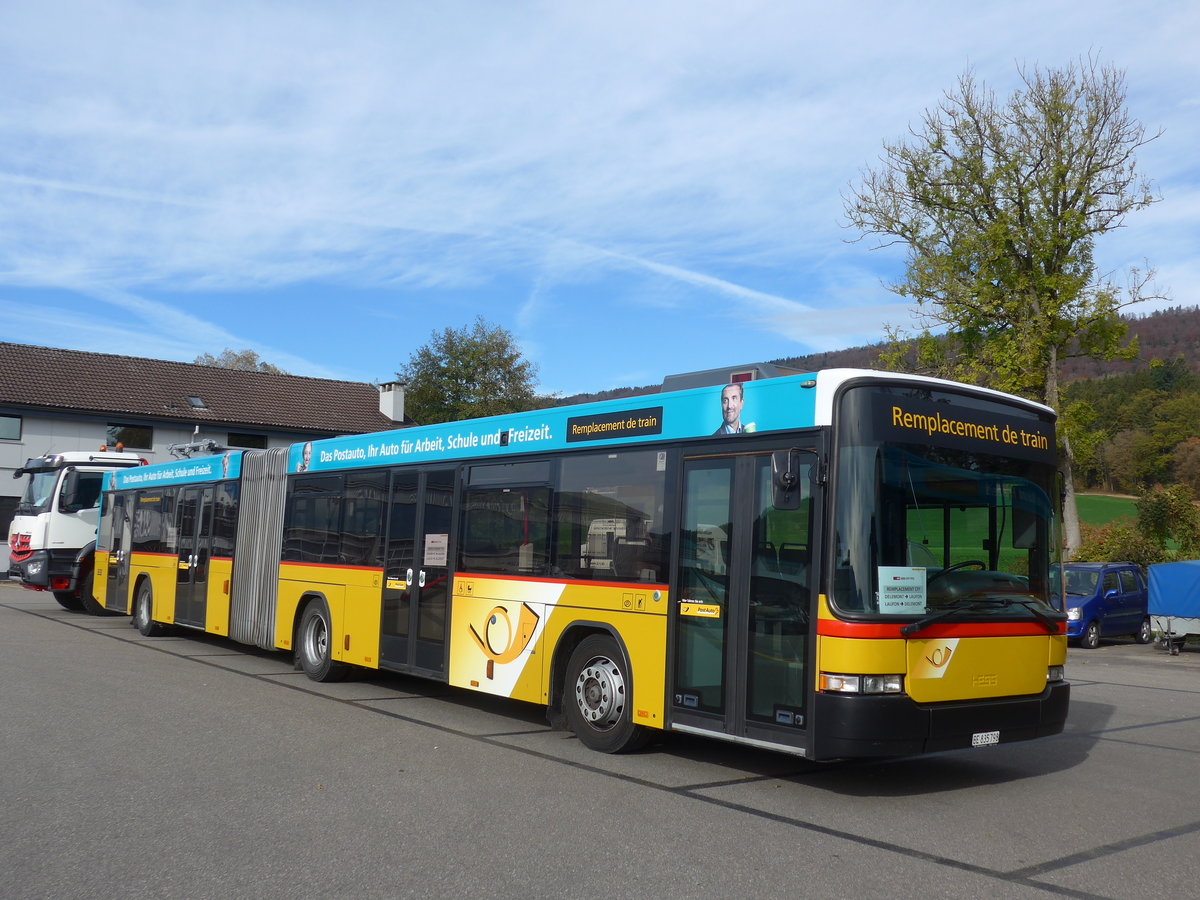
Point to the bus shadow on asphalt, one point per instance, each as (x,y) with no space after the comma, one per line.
(938,773)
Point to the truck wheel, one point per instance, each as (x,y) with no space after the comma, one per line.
(597,695)
(68,600)
(90,603)
(143,610)
(314,645)
(1090,639)
(1145,634)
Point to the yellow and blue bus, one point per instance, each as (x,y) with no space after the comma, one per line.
(834,565)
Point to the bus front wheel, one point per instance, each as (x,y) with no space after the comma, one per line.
(314,647)
(597,697)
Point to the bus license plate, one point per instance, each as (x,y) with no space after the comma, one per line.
(985,738)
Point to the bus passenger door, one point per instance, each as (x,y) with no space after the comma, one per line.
(417,570)
(743,599)
(194,530)
(116,594)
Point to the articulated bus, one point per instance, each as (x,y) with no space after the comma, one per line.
(834,565)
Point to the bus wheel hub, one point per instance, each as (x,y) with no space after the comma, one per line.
(600,692)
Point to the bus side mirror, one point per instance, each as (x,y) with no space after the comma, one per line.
(789,486)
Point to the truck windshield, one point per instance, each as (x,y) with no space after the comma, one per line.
(39,490)
(923,527)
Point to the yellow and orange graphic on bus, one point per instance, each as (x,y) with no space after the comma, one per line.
(504,632)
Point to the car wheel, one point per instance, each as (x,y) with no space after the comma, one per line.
(1145,634)
(1090,639)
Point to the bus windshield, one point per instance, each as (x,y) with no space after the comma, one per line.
(921,528)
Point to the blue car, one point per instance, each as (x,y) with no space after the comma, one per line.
(1105,600)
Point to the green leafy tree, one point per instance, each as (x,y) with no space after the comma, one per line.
(1168,515)
(464,373)
(998,204)
(1185,464)
(1078,425)
(1129,460)
(1119,542)
(245,360)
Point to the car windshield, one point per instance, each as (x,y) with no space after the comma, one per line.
(38,491)
(1079,582)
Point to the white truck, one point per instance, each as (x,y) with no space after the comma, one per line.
(52,538)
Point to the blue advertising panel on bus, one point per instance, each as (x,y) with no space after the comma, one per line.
(752,407)
(180,471)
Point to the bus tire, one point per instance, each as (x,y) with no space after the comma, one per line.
(68,600)
(143,612)
(597,697)
(314,644)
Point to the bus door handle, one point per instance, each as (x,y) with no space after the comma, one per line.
(421,581)
(408,579)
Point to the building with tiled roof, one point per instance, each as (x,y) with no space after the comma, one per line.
(58,400)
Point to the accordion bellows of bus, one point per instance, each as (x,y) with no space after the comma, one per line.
(846,563)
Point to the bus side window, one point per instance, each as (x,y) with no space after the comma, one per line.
(312,521)
(506,530)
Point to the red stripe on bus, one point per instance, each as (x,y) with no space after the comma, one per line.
(876,630)
(313,565)
(571,581)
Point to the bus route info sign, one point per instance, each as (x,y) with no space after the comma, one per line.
(901,589)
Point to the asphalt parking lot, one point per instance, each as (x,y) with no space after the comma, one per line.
(192,767)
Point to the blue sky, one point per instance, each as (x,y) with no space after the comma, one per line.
(633,189)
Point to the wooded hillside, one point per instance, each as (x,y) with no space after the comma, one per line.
(1134,423)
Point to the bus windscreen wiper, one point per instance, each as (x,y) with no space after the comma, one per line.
(978,603)
(1051,625)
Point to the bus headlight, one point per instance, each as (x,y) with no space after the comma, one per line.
(1074,613)
(1055,673)
(862,684)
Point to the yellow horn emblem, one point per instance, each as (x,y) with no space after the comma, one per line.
(501,642)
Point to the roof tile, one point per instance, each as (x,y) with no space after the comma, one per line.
(159,389)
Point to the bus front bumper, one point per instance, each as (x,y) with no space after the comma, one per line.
(890,725)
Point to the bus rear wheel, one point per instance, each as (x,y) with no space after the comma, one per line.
(143,612)
(598,697)
(314,645)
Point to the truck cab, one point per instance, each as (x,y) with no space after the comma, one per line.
(53,535)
